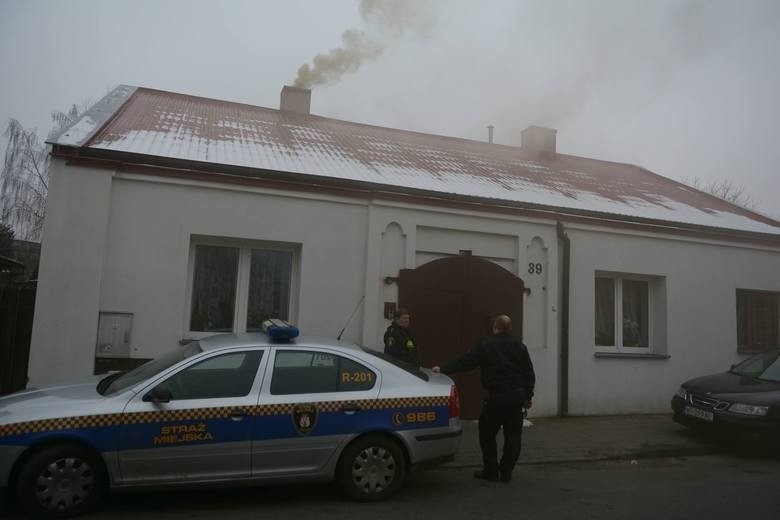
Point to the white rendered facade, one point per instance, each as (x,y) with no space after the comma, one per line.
(122,242)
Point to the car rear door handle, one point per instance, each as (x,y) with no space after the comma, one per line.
(350,408)
(238,413)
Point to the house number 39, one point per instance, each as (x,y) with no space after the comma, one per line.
(535,268)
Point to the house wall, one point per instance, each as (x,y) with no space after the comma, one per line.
(124,246)
(136,261)
(156,220)
(121,242)
(69,277)
(700,282)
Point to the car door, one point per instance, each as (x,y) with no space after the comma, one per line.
(201,426)
(312,399)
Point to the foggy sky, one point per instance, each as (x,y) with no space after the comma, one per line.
(684,88)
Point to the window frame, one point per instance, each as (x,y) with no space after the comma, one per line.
(618,280)
(754,348)
(241,303)
(337,355)
(261,352)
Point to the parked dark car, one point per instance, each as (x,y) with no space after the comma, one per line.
(746,399)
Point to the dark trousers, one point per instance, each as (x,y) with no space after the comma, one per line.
(501,411)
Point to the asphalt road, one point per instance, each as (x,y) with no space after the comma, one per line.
(709,487)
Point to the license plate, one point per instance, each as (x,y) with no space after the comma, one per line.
(700,414)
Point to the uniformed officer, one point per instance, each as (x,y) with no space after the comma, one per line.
(398,340)
(506,372)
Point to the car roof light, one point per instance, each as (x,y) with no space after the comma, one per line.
(280,330)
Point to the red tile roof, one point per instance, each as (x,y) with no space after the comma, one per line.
(176,126)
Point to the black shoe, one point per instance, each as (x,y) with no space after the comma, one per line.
(482,475)
(505,477)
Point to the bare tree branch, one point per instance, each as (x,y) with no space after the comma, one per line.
(725,189)
(24,178)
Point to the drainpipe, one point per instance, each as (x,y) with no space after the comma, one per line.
(563,395)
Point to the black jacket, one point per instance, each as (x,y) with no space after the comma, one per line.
(400,344)
(504,365)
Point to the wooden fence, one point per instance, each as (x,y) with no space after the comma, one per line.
(17,305)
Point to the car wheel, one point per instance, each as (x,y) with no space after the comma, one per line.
(61,481)
(372,468)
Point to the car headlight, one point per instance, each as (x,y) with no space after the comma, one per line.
(682,392)
(748,409)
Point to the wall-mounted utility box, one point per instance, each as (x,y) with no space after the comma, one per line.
(113,339)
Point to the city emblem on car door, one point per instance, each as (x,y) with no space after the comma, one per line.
(304,418)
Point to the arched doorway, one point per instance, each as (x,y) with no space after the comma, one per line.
(452,302)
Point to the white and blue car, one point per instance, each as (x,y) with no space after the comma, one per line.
(229,408)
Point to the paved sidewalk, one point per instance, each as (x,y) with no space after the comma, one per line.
(572,439)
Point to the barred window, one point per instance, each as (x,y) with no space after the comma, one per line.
(758,320)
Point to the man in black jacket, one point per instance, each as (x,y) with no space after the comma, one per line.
(399,342)
(506,372)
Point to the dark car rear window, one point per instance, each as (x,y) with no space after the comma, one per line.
(403,365)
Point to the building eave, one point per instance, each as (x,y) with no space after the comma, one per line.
(211,172)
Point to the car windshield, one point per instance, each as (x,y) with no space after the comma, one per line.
(403,365)
(765,366)
(149,369)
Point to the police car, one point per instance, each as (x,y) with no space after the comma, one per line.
(260,407)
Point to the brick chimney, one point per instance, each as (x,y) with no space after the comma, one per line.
(538,139)
(294,99)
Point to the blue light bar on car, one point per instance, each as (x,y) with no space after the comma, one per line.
(280,330)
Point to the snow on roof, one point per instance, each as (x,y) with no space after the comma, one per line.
(176,126)
(90,121)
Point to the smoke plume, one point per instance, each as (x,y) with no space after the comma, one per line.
(328,68)
(392,17)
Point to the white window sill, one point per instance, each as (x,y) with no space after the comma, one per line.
(630,355)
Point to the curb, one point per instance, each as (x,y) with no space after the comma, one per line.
(650,455)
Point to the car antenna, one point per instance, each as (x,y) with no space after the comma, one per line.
(350,317)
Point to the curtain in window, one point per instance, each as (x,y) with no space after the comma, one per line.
(605,312)
(270,276)
(214,289)
(635,313)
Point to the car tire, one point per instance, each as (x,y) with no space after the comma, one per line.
(371,469)
(61,481)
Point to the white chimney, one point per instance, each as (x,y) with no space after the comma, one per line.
(538,139)
(294,99)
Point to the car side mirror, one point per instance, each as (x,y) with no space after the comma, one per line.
(158,394)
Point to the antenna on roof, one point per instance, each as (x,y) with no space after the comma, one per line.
(350,317)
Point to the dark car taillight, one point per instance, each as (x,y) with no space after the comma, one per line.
(454,402)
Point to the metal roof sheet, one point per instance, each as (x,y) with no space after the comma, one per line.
(177,126)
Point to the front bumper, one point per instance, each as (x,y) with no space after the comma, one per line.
(724,420)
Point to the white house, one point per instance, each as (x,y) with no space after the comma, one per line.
(172,217)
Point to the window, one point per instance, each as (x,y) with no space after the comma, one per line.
(214,289)
(228,375)
(629,313)
(308,372)
(236,286)
(758,320)
(605,311)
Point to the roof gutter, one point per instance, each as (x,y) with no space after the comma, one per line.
(563,362)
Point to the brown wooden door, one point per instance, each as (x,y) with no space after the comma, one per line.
(452,302)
